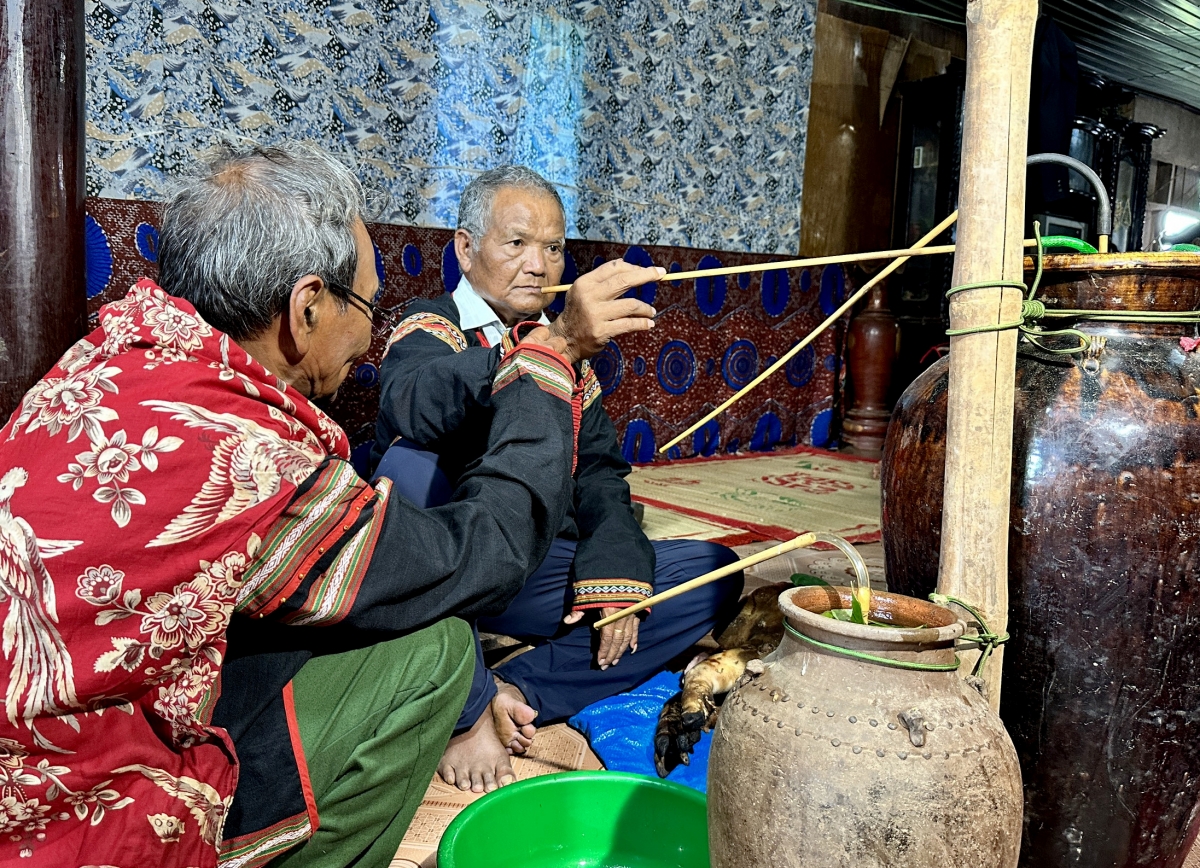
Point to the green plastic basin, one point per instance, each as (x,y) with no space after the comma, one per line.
(582,820)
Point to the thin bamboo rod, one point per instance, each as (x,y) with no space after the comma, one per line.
(805,539)
(799,263)
(833,317)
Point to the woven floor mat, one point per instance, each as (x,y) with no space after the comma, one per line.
(769,496)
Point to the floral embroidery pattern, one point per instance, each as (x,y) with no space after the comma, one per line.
(110,461)
(71,402)
(19,812)
(173,327)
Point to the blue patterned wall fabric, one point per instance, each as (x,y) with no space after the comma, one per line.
(663,123)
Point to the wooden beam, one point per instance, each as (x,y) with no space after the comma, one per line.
(991,201)
(43,294)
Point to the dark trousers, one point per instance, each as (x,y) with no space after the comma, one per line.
(559,676)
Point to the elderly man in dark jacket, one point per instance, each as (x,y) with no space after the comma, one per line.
(436,409)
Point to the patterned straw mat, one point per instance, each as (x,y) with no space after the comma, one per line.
(738,499)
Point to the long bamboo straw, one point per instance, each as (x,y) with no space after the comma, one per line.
(805,539)
(833,317)
(799,263)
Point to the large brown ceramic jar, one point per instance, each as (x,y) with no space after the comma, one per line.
(826,760)
(1101,690)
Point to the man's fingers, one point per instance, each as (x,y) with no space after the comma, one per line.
(572,617)
(633,634)
(631,308)
(613,279)
(622,281)
(607,637)
(622,645)
(617,327)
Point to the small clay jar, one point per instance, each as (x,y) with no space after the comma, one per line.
(841,754)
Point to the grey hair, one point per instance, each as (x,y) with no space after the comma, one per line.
(475,208)
(251,222)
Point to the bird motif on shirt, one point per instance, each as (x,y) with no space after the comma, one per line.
(248,467)
(204,802)
(40,669)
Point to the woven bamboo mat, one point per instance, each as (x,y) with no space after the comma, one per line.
(767,496)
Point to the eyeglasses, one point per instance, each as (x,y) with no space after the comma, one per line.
(382,318)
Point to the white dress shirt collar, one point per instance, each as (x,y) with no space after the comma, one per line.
(475,313)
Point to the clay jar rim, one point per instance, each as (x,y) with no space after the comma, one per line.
(804,608)
(1187,264)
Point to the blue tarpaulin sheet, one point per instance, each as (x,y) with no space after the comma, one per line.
(621,732)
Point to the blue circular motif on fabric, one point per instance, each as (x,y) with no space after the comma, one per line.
(776,290)
(639,366)
(805,280)
(767,433)
(647,291)
(146,237)
(450,273)
(740,364)
(744,280)
(710,365)
(411,259)
(608,367)
(570,275)
(98,260)
(676,367)
(366,374)
(818,434)
(732,446)
(674,453)
(675,268)
(799,368)
(710,291)
(833,288)
(379,272)
(707,438)
(831,362)
(638,445)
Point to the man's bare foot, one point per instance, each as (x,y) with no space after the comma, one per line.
(512,717)
(476,760)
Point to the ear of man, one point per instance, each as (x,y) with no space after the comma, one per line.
(296,329)
(464,250)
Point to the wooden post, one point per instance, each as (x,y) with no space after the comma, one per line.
(43,295)
(991,202)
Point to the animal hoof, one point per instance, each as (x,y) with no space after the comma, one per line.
(693,719)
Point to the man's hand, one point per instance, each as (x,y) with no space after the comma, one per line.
(615,638)
(595,313)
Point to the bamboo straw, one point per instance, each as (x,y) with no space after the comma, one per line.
(833,317)
(800,263)
(805,539)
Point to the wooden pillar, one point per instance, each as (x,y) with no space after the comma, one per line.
(43,300)
(991,202)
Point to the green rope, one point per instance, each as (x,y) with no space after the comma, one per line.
(874,658)
(985,638)
(1033,310)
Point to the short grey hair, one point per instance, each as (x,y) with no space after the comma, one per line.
(475,208)
(251,222)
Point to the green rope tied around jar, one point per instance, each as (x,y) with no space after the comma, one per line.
(984,638)
(873,658)
(1033,310)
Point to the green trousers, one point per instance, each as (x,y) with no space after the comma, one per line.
(374,723)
